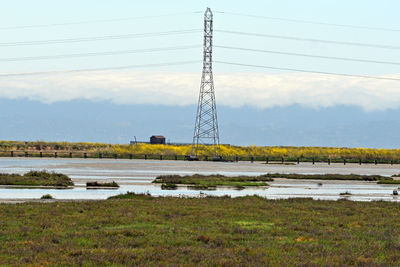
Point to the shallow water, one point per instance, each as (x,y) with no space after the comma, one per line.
(136,176)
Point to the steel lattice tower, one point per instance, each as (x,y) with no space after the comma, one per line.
(206,127)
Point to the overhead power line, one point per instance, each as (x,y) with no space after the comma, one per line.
(96,21)
(308,55)
(109,53)
(100,38)
(293,38)
(161,49)
(97,69)
(308,71)
(311,22)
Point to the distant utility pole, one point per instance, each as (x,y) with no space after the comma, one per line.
(206,127)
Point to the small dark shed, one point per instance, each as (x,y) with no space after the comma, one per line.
(157,139)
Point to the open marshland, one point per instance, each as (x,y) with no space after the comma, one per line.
(143,230)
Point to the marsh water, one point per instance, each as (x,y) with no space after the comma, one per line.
(137,176)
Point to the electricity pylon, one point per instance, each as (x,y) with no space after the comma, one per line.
(206,127)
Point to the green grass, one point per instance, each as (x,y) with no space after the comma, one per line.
(353,177)
(106,184)
(211,181)
(139,230)
(36,178)
(131,195)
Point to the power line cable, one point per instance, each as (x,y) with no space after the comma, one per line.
(109,53)
(309,39)
(307,55)
(96,21)
(308,71)
(121,52)
(97,69)
(100,38)
(311,22)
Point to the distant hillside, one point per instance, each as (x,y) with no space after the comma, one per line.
(110,123)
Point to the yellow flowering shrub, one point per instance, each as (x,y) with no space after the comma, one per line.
(224,150)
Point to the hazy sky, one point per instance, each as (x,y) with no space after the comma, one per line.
(178,85)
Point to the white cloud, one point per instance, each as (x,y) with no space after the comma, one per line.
(232,89)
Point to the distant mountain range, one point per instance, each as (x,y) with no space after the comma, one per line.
(111,123)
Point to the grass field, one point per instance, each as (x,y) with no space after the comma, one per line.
(145,231)
(36,178)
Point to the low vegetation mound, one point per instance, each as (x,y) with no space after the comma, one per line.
(36,178)
(353,177)
(169,186)
(47,196)
(389,182)
(97,184)
(203,182)
(207,181)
